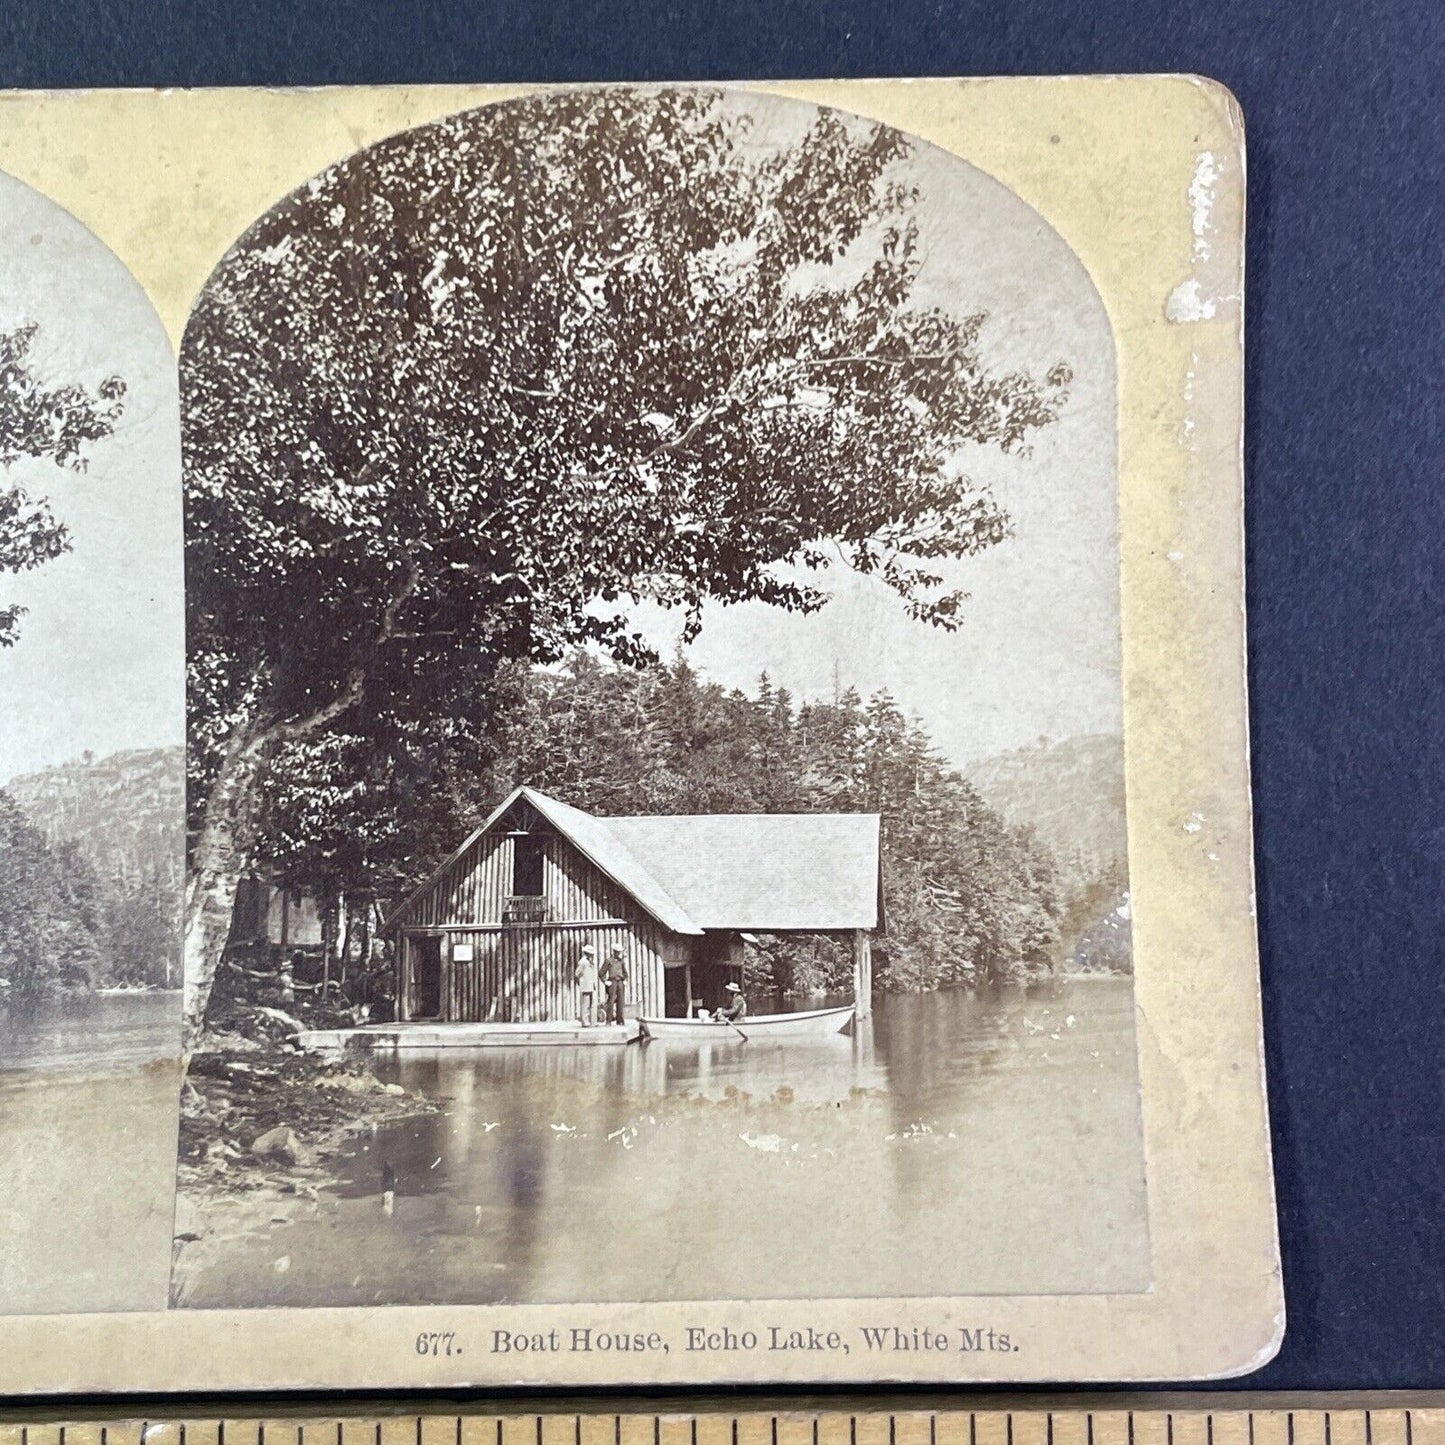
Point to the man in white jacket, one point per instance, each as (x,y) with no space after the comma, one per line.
(585,975)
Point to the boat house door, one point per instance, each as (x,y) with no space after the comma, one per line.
(428,955)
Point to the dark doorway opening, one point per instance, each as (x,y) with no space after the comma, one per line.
(428,955)
(674,989)
(529,853)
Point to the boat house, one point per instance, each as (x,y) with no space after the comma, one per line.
(495,932)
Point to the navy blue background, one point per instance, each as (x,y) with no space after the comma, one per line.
(1346,505)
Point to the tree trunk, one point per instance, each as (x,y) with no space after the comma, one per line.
(343,950)
(223,853)
(328,940)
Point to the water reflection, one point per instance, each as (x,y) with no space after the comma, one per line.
(955,1143)
(88,1152)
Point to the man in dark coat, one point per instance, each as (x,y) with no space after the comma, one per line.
(614,980)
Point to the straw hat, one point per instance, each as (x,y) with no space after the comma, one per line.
(732,988)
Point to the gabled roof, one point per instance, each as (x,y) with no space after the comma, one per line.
(768,872)
(596,838)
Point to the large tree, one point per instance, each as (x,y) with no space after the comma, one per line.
(462,396)
(41,422)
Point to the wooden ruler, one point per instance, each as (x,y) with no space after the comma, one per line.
(1029,1420)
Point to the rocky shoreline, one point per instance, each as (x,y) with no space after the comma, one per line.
(257,1114)
(262,1126)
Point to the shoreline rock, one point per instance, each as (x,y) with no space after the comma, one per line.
(253,1118)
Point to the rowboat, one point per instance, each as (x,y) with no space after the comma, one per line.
(814,1024)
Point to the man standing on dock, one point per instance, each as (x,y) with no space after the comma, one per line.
(586,976)
(614,975)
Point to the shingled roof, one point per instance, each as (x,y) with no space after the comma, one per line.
(770,872)
(764,872)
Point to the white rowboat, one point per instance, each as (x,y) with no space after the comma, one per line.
(814,1024)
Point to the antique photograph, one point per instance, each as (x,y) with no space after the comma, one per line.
(92,788)
(655,748)
(622,720)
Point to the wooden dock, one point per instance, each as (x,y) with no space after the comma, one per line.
(426,1038)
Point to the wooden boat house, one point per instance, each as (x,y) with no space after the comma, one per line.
(495,932)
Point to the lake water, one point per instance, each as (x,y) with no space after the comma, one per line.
(92,1032)
(959,1143)
(88,1093)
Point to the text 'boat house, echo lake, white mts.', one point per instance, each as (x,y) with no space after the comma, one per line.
(495,933)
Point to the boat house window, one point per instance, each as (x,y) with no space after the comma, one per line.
(528,853)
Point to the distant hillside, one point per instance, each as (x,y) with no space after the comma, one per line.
(1072,792)
(126,813)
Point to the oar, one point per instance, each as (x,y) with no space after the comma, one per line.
(736,1030)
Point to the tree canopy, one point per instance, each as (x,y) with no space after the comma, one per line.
(464,392)
(43,423)
(463,397)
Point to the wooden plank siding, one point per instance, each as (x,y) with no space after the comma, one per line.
(529,963)
(471,890)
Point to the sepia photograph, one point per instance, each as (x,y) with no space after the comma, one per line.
(655,726)
(623,755)
(92,773)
